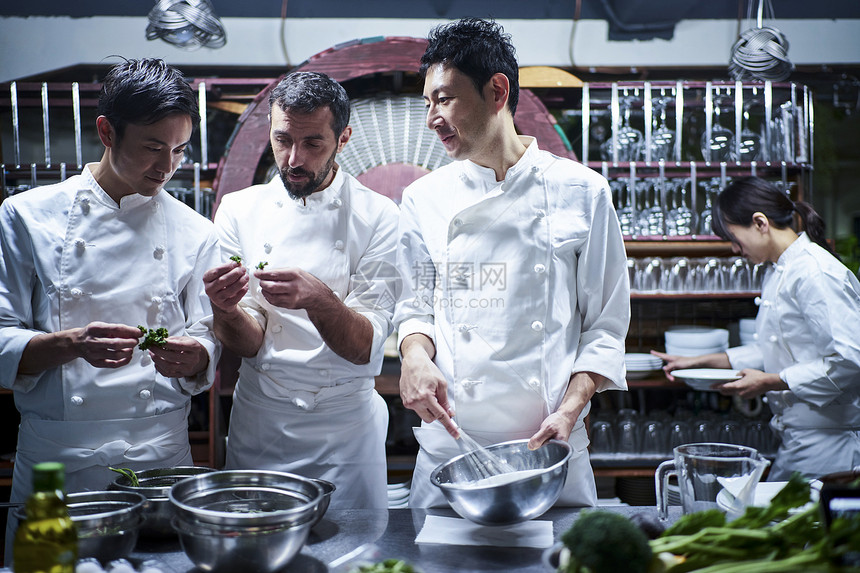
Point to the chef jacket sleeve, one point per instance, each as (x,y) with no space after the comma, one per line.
(746,356)
(603,294)
(374,283)
(198,315)
(17,282)
(414,312)
(228,239)
(830,307)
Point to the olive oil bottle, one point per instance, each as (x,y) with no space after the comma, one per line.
(47,539)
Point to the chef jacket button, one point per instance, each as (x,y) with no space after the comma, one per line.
(76,401)
(279,203)
(335,293)
(539,268)
(535,169)
(323,372)
(145,394)
(277,328)
(540,213)
(779,268)
(156,300)
(773,338)
(534,383)
(154,205)
(463,177)
(458,222)
(757,301)
(463,327)
(77,293)
(766,303)
(267,247)
(159,250)
(537,326)
(338,245)
(336,202)
(81,244)
(265,366)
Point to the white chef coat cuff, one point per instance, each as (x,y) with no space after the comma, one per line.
(747,356)
(12,345)
(415,326)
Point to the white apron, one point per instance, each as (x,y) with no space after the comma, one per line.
(336,434)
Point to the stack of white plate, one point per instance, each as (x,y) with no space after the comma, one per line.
(696,340)
(641,365)
(747,330)
(398,495)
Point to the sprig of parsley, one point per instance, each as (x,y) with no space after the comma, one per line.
(153,337)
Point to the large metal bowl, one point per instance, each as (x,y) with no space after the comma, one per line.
(226,548)
(328,488)
(515,500)
(244,520)
(108,522)
(154,485)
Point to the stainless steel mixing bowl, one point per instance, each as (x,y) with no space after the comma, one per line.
(328,488)
(108,522)
(244,520)
(154,485)
(510,500)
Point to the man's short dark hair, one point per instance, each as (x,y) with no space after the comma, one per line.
(143,92)
(306,92)
(478,48)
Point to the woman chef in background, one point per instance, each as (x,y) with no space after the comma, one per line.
(806,358)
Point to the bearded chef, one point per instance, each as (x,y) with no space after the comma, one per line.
(84,262)
(516,305)
(311,324)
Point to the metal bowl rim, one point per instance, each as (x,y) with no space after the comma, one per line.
(464,487)
(136,504)
(229,518)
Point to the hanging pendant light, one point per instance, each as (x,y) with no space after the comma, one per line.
(188,24)
(761,53)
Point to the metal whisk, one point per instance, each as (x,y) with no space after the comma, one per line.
(484,463)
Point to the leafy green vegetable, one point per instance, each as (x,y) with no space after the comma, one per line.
(387,566)
(153,337)
(762,540)
(236,258)
(262,265)
(605,542)
(129,475)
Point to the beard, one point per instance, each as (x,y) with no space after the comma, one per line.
(314,180)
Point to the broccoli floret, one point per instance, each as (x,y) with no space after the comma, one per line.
(607,542)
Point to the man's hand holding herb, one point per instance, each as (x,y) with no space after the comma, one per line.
(225,286)
(180,356)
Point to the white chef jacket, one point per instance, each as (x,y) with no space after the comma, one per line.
(807,327)
(71,256)
(298,406)
(519,284)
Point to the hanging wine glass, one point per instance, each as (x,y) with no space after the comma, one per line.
(711,188)
(721,144)
(629,140)
(680,218)
(750,149)
(651,214)
(625,207)
(662,138)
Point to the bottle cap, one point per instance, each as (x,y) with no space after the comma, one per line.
(49,476)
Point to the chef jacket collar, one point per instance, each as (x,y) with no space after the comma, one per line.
(314,200)
(794,249)
(127,202)
(487,175)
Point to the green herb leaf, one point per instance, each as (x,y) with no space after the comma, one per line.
(236,258)
(262,265)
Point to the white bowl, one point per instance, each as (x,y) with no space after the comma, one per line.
(696,336)
(678,350)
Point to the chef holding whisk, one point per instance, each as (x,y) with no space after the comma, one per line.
(516,298)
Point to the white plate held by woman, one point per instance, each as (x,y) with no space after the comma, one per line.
(704,378)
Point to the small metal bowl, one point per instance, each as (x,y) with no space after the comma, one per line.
(328,488)
(154,485)
(108,522)
(511,501)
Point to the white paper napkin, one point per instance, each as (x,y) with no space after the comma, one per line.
(458,531)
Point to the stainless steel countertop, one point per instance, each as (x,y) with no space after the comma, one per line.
(394,532)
